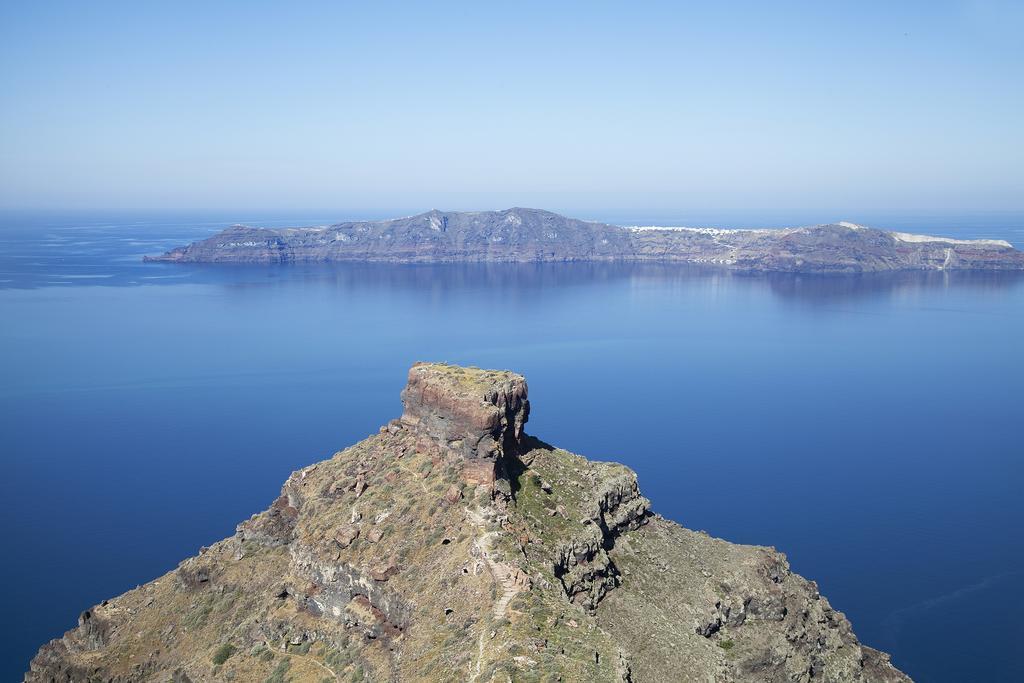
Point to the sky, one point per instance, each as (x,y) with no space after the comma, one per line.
(586,106)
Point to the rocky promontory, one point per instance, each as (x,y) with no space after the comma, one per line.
(532,235)
(452,546)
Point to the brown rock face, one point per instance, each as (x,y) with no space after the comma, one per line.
(448,547)
(480,413)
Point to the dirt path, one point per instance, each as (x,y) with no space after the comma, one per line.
(502,574)
(318,663)
(421,480)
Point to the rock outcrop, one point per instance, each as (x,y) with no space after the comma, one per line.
(451,546)
(480,413)
(531,235)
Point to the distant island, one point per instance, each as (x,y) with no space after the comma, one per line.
(532,235)
(452,546)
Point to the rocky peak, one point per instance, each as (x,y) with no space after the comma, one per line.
(394,560)
(479,413)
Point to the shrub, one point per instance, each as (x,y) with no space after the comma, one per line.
(278,675)
(223,653)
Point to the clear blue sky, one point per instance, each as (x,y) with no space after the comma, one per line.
(475,105)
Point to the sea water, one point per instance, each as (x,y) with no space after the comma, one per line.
(870,427)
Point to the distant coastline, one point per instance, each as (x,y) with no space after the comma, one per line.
(533,235)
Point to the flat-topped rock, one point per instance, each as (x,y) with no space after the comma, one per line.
(478,412)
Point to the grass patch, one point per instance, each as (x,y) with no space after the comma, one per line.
(223,653)
(278,675)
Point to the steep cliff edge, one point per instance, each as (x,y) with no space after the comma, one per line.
(452,546)
(532,235)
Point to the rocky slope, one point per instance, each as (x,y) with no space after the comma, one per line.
(519,235)
(451,546)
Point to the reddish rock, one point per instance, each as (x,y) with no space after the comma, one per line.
(479,412)
(383,572)
(478,472)
(453,495)
(273,527)
(346,534)
(521,579)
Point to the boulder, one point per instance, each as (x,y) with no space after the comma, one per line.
(346,534)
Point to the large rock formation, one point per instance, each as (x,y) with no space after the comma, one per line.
(453,547)
(520,235)
(479,412)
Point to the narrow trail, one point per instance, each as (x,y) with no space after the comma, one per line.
(312,660)
(502,575)
(298,655)
(509,588)
(421,480)
(479,656)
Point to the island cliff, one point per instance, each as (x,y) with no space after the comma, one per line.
(452,546)
(530,235)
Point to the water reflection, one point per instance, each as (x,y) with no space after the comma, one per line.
(47,254)
(813,290)
(831,289)
(441,278)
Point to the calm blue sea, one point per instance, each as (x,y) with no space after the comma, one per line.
(870,427)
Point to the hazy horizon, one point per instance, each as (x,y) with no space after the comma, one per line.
(846,400)
(590,107)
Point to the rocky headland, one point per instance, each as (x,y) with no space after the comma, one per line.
(452,546)
(532,235)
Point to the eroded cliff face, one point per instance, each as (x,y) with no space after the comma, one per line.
(480,413)
(452,546)
(532,235)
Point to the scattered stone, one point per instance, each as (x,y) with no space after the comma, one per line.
(453,495)
(384,572)
(346,535)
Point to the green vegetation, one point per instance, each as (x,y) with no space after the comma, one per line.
(726,645)
(338,660)
(207,605)
(470,378)
(223,653)
(280,672)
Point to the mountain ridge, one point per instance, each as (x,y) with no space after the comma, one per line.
(537,235)
(453,546)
